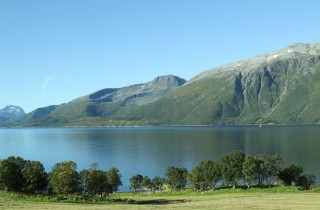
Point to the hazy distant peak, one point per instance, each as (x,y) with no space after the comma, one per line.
(11,111)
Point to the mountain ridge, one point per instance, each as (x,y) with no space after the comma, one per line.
(281,87)
(89,106)
(287,53)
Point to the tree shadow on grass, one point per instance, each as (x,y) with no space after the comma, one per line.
(159,202)
(156,202)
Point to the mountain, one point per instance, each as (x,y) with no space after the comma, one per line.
(10,113)
(282,87)
(35,115)
(99,106)
(138,94)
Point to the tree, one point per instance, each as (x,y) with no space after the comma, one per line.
(291,174)
(136,182)
(157,183)
(205,175)
(34,176)
(232,167)
(94,181)
(177,177)
(146,182)
(97,182)
(83,185)
(251,170)
(269,167)
(11,177)
(64,178)
(114,179)
(306,180)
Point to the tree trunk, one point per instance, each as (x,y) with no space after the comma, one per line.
(234,185)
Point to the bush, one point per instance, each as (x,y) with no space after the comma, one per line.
(291,174)
(306,181)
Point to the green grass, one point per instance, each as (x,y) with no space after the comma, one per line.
(255,198)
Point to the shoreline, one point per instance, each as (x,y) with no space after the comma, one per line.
(168,126)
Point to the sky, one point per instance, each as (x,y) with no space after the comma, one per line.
(53,51)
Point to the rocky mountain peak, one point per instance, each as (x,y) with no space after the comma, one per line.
(11,112)
(311,49)
(169,80)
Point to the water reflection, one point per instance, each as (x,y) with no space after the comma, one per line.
(149,150)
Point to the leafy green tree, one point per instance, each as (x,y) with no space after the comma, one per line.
(157,183)
(64,178)
(205,175)
(232,167)
(146,182)
(114,179)
(83,186)
(177,177)
(97,182)
(11,177)
(251,170)
(35,177)
(94,181)
(291,174)
(269,167)
(306,180)
(136,182)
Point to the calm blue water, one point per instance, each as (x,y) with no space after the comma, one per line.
(149,150)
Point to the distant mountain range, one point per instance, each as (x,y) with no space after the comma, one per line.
(282,87)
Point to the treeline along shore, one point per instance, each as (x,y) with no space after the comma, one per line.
(233,170)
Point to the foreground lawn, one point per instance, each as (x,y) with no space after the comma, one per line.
(278,198)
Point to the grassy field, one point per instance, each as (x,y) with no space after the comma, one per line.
(288,198)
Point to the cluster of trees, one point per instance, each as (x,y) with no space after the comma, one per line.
(139,183)
(232,169)
(19,175)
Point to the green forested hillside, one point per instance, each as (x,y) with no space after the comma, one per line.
(282,87)
(277,88)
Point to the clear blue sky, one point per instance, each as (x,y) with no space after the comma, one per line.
(53,51)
